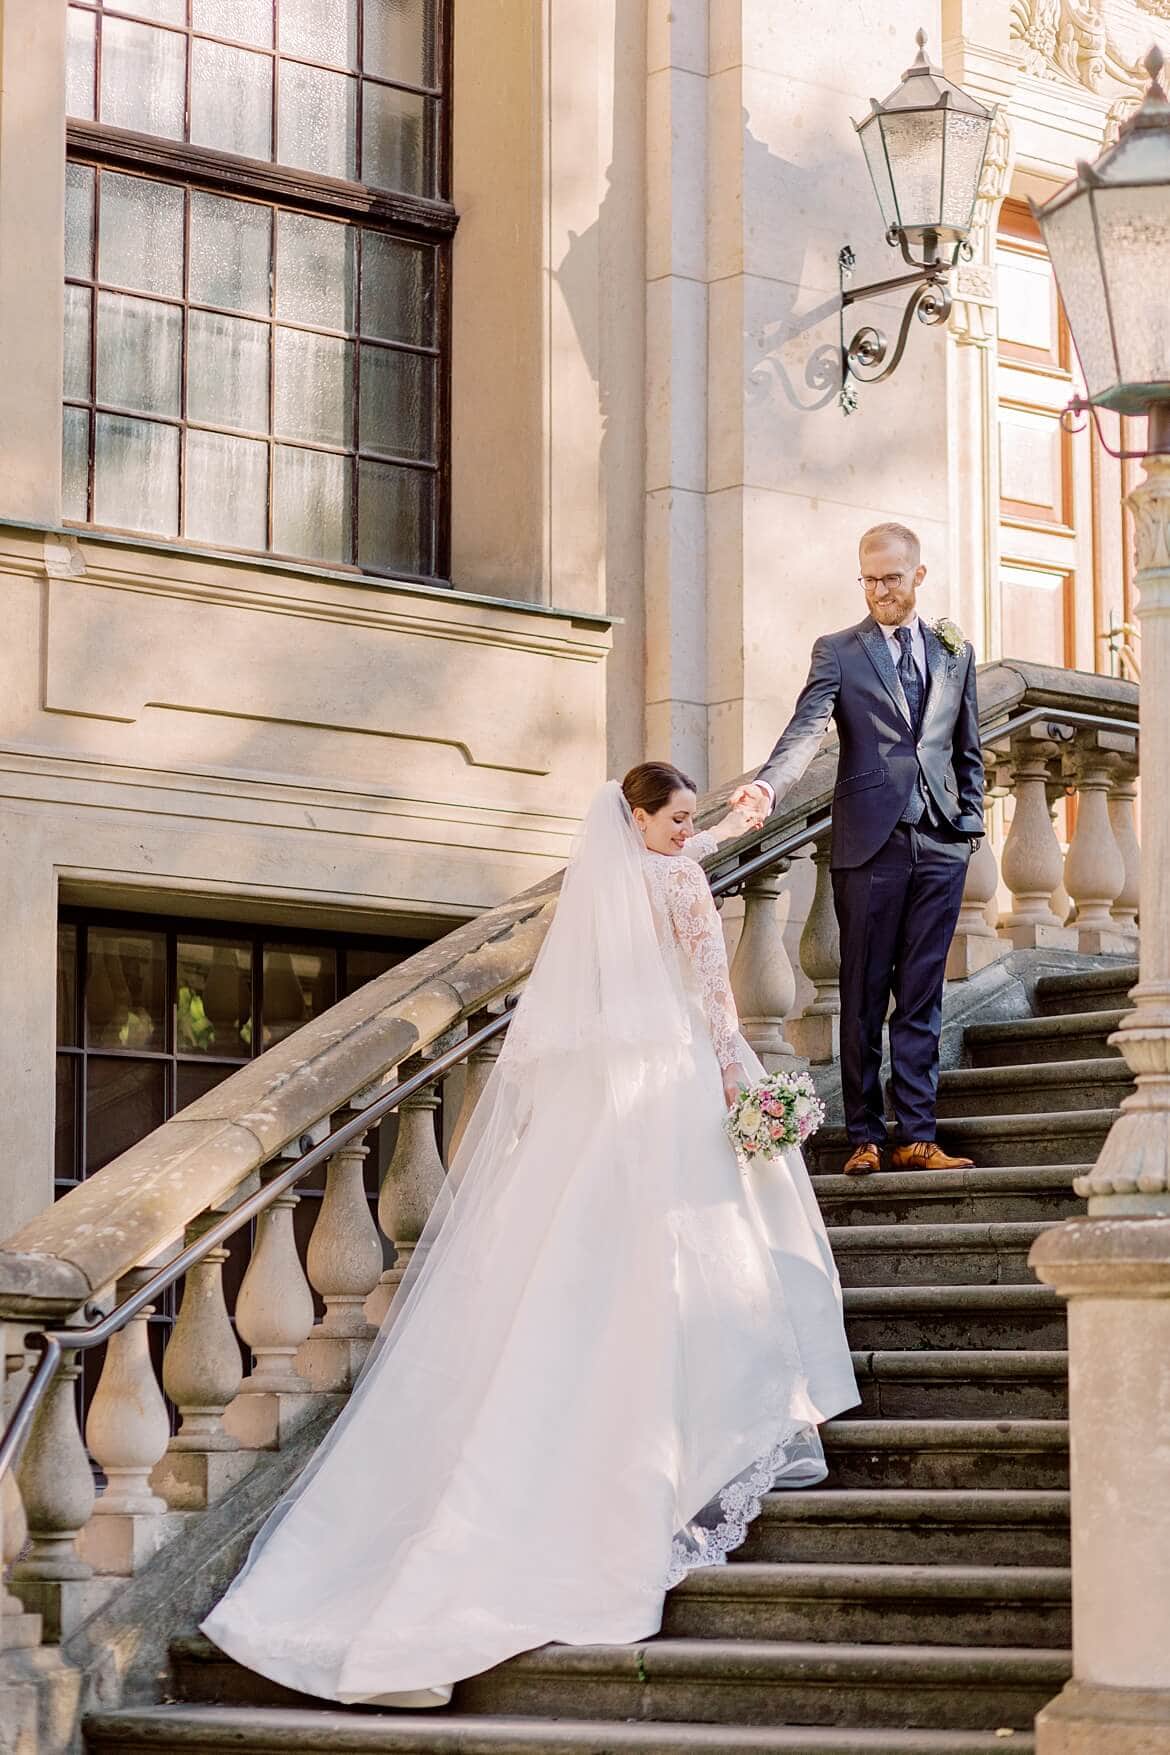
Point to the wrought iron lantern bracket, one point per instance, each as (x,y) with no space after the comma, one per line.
(1072,420)
(866,357)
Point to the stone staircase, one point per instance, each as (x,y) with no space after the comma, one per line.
(917,1602)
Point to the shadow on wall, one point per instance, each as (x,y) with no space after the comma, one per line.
(601,280)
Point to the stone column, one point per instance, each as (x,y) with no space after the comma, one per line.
(32,282)
(816,1033)
(676,571)
(762,977)
(1114,1268)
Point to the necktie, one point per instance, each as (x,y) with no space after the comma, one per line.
(912,689)
(908,676)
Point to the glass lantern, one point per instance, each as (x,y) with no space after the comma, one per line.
(1108,234)
(925,147)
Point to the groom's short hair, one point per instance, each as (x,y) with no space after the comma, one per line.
(894,533)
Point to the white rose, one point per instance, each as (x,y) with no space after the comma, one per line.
(750,1119)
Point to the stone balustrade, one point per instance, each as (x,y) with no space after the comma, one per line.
(241,1381)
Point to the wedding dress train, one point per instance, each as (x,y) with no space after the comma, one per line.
(611,1339)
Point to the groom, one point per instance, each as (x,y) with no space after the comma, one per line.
(907,811)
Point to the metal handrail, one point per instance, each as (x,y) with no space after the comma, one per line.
(55,1342)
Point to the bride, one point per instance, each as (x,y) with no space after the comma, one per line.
(610,1341)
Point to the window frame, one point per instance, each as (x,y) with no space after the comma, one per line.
(412,218)
(80,1052)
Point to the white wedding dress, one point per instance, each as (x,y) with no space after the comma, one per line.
(610,1342)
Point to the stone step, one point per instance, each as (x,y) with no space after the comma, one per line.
(165,1730)
(1031,1455)
(1050,1086)
(1073,1136)
(984,1384)
(938,1317)
(934,1255)
(1076,1036)
(960,1527)
(867,1604)
(900,1197)
(1087,990)
(745,1682)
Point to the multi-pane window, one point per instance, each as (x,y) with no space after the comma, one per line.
(152,1015)
(255,353)
(331,86)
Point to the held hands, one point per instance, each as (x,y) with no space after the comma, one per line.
(749,811)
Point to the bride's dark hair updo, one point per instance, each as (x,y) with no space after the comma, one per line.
(651,785)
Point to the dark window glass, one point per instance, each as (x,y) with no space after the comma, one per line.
(196,354)
(125,989)
(125,1098)
(214,388)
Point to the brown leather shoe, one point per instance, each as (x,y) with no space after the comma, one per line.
(927,1155)
(863,1162)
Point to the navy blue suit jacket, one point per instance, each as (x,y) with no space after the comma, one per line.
(853,679)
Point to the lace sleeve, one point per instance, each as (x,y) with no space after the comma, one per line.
(701,845)
(699,934)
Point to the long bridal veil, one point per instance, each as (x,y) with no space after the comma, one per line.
(591,1342)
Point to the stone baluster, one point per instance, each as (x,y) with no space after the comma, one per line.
(1113,1267)
(409,1190)
(762,977)
(57,1490)
(1060,901)
(19,1630)
(976,943)
(345,1260)
(1121,815)
(1032,862)
(127,1431)
(1094,870)
(202,1372)
(479,1071)
(816,1033)
(274,1314)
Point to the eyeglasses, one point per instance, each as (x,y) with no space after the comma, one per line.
(889,580)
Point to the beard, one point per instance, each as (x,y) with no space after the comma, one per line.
(889,614)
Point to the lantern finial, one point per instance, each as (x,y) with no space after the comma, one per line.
(1154,63)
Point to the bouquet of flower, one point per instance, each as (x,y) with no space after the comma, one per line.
(781,1111)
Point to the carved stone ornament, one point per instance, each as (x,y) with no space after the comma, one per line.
(1150,505)
(1069,39)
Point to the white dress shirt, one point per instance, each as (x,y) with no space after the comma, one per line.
(918,652)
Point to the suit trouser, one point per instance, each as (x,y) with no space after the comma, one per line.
(897,915)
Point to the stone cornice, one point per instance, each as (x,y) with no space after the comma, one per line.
(174,567)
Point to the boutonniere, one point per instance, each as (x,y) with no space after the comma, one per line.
(952,637)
